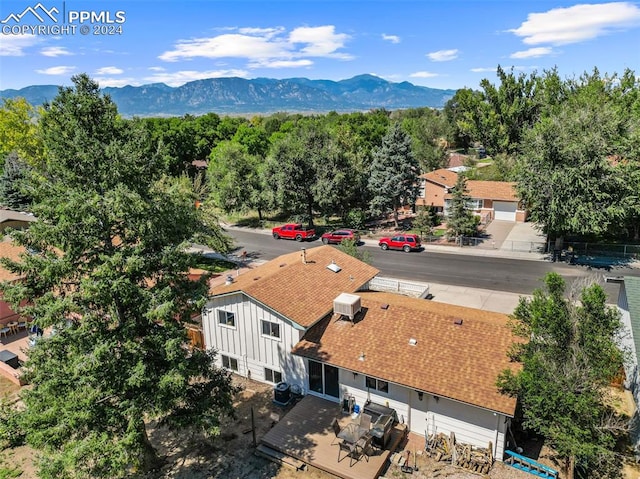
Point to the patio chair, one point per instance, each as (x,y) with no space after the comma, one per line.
(350,449)
(4,330)
(336,430)
(365,421)
(363,447)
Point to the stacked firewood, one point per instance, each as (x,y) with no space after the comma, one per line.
(442,447)
(472,458)
(439,447)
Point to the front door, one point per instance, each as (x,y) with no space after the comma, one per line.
(323,379)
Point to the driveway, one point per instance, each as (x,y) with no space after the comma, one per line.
(498,231)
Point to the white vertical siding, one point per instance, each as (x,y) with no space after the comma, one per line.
(470,424)
(632,375)
(245,342)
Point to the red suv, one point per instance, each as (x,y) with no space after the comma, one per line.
(403,241)
(338,236)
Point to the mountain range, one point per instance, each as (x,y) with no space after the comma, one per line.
(229,96)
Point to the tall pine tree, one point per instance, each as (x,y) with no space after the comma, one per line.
(460,219)
(394,179)
(107,269)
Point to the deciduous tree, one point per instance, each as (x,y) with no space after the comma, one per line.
(107,270)
(567,347)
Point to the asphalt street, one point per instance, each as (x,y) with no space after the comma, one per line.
(492,273)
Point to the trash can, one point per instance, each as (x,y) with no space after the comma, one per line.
(282,393)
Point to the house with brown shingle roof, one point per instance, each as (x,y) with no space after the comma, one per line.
(494,200)
(309,319)
(434,187)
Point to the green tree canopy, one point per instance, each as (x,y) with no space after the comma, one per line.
(107,269)
(394,174)
(19,130)
(569,356)
(460,219)
(563,174)
(13,187)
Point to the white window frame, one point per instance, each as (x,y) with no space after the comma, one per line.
(229,360)
(272,372)
(271,324)
(226,324)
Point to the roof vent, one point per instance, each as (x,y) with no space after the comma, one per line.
(347,305)
(457,322)
(384,306)
(334,267)
(229,279)
(413,341)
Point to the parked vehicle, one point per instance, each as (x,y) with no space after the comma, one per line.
(338,236)
(294,231)
(403,241)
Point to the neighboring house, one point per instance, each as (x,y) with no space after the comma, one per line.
(15,219)
(457,161)
(494,200)
(434,187)
(629,306)
(308,319)
(13,252)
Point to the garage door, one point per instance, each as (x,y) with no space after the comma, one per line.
(504,210)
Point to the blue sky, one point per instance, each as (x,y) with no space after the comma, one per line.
(439,44)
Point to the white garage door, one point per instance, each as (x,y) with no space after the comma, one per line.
(505,210)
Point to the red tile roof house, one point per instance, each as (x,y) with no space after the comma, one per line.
(435,364)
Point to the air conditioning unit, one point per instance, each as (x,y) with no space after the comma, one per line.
(347,305)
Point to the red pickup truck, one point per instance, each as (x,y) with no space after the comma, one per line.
(293,231)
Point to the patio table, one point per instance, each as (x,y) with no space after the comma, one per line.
(352,432)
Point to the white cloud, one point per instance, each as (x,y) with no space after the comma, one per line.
(60,70)
(443,55)
(320,41)
(14,45)
(182,77)
(578,23)
(423,75)
(391,38)
(265,46)
(116,82)
(532,53)
(157,69)
(281,63)
(109,71)
(55,51)
(484,69)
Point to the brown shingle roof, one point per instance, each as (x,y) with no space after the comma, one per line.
(441,177)
(304,293)
(456,159)
(13,252)
(491,190)
(460,362)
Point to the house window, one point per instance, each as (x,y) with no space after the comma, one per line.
(270,329)
(226,318)
(272,376)
(377,384)
(229,363)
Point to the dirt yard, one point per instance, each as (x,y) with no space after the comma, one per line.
(231,456)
